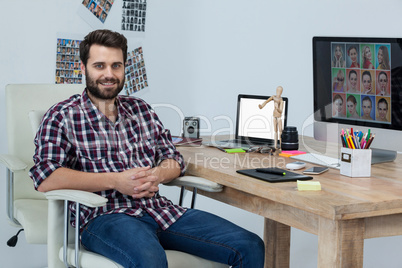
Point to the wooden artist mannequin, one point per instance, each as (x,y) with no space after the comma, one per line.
(278,109)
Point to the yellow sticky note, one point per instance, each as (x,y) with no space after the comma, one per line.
(308,186)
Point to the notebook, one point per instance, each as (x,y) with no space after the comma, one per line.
(254,126)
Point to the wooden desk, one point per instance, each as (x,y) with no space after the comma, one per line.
(344,213)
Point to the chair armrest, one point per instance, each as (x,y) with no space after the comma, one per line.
(12,162)
(58,233)
(86,198)
(196,182)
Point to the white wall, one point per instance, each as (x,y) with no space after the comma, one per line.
(199,55)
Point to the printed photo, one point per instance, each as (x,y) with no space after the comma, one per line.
(338,55)
(353,106)
(339,105)
(338,80)
(367,109)
(68,62)
(383,109)
(133,15)
(99,8)
(136,75)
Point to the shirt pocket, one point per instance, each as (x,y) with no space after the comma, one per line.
(94,159)
(94,154)
(141,153)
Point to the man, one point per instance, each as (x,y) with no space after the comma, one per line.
(117,147)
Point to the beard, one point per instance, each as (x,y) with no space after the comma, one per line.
(92,86)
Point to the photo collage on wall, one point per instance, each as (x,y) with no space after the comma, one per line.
(68,69)
(136,75)
(361,81)
(99,8)
(133,15)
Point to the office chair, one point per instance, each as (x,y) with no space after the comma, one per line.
(44,217)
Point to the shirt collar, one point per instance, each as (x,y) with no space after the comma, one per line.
(95,115)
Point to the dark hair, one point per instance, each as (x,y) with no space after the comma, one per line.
(352,72)
(367,98)
(385,56)
(366,73)
(350,48)
(105,38)
(351,98)
(337,96)
(384,73)
(382,100)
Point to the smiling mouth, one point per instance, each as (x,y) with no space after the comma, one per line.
(108,83)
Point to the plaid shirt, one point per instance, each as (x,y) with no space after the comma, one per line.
(74,134)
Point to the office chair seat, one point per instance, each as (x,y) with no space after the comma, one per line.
(30,214)
(88,259)
(176,259)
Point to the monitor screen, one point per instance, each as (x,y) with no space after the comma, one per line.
(358,81)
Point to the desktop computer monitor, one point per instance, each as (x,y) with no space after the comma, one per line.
(358,84)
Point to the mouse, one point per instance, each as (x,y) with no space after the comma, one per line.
(295,165)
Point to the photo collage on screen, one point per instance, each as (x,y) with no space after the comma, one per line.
(68,69)
(133,15)
(100,8)
(361,81)
(136,75)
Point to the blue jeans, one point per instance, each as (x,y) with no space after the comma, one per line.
(140,242)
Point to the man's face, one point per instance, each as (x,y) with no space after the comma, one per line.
(104,72)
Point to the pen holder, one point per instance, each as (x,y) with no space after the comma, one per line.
(356,162)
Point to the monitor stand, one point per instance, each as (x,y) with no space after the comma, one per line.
(382,156)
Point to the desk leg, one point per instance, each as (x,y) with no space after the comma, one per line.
(340,243)
(277,244)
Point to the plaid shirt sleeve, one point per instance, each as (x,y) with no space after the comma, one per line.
(51,148)
(165,148)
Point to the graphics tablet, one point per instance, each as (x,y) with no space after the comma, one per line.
(290,176)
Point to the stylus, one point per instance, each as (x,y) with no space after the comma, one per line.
(221,149)
(270,171)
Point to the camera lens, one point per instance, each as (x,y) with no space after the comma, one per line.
(290,138)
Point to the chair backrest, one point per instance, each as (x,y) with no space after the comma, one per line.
(20,100)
